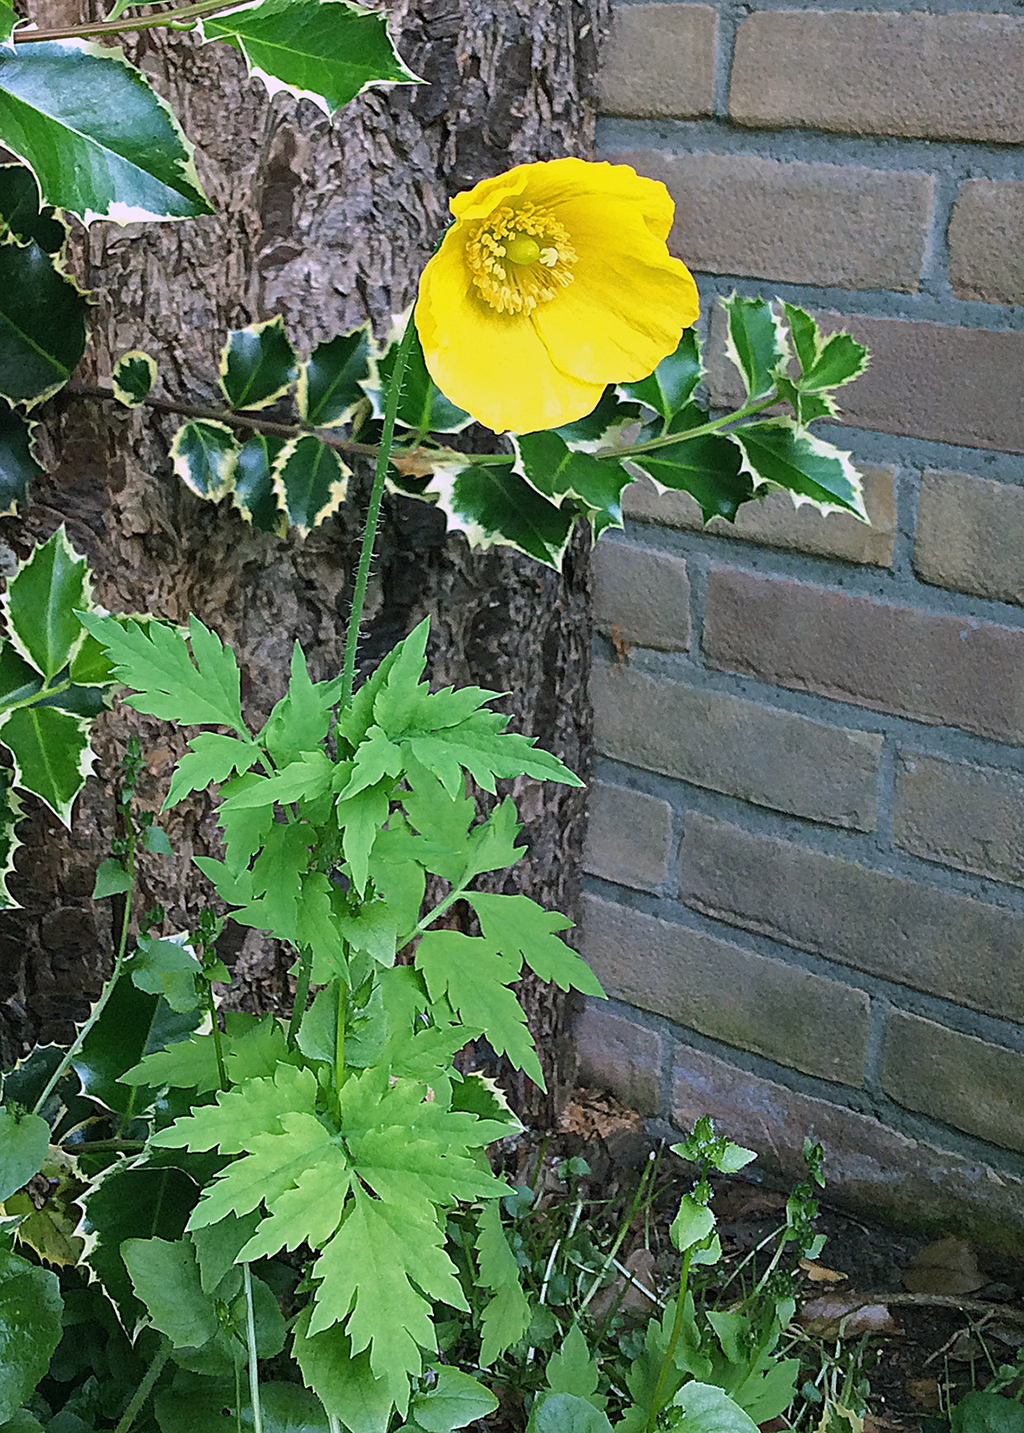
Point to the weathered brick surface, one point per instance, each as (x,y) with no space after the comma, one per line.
(645,595)
(868,1166)
(986,241)
(902,930)
(953,76)
(659,60)
(774,521)
(925,380)
(933,666)
(618,1055)
(758,753)
(970,535)
(840,225)
(972,1084)
(628,837)
(970,817)
(725,992)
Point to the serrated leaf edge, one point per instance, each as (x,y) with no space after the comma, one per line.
(823,450)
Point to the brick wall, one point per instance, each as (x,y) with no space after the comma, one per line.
(806,859)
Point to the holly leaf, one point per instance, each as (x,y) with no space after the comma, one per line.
(133,377)
(422,407)
(10,814)
(257,365)
(558,471)
(42,318)
(212,759)
(19,463)
(309,478)
(781,454)
(253,493)
(30,1328)
(51,755)
(490,503)
(21,216)
(204,455)
(98,139)
(330,380)
(327,53)
(518,926)
(705,467)
(41,601)
(24,1144)
(756,343)
(672,384)
(197,689)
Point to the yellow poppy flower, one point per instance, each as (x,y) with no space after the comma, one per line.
(553,281)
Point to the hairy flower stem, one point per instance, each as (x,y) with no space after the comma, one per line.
(391,400)
(145,1388)
(250,1339)
(677,1329)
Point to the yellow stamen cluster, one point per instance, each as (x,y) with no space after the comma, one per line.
(519,258)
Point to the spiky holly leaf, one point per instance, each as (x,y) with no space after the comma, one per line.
(10,814)
(257,365)
(330,381)
(492,504)
(756,342)
(253,493)
(132,377)
(98,139)
(204,455)
(22,217)
(780,453)
(327,53)
(197,689)
(422,407)
(706,467)
(558,471)
(18,461)
(672,384)
(309,478)
(41,604)
(51,754)
(42,320)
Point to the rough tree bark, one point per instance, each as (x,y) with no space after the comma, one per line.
(326,223)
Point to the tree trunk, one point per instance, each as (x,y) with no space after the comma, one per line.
(326,223)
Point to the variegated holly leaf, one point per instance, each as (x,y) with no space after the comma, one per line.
(51,754)
(330,380)
(42,321)
(558,471)
(491,504)
(756,342)
(672,384)
(98,139)
(254,494)
(21,216)
(310,481)
(422,407)
(779,453)
(18,461)
(257,365)
(325,52)
(204,454)
(706,467)
(11,812)
(41,603)
(133,377)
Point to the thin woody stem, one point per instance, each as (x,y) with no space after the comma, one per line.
(123,27)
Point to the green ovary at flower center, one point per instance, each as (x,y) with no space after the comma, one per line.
(519,258)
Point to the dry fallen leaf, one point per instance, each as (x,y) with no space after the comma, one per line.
(925,1393)
(592,1112)
(948,1266)
(640,1266)
(845,1315)
(818,1274)
(416,464)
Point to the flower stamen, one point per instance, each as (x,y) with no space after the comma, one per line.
(519,258)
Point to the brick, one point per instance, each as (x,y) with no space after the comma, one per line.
(628,837)
(969,1083)
(953,76)
(869,1167)
(774,521)
(743,999)
(839,225)
(901,930)
(935,667)
(970,535)
(659,61)
(986,241)
(618,1055)
(644,595)
(925,380)
(758,753)
(970,817)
